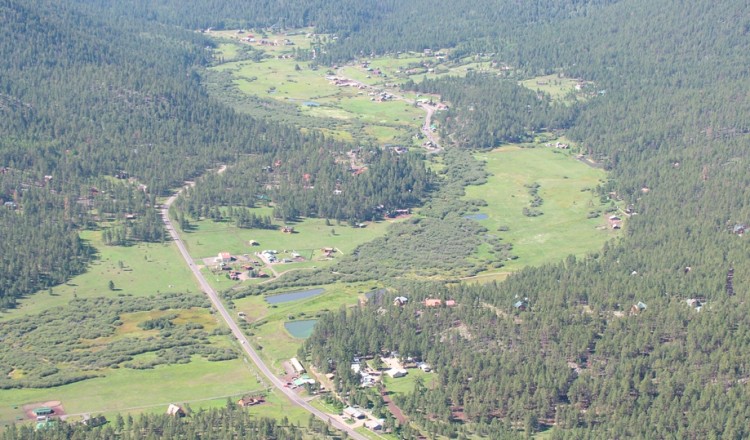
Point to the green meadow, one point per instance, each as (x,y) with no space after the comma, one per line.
(140,270)
(267,320)
(285,80)
(557,87)
(198,383)
(565,184)
(207,238)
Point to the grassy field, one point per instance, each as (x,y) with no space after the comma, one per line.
(279,77)
(208,238)
(269,332)
(139,270)
(404,385)
(557,88)
(125,390)
(564,228)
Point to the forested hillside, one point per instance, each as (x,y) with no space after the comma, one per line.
(102,110)
(103,114)
(670,123)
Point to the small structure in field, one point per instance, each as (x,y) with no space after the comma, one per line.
(521,306)
(250,401)
(433,302)
(396,373)
(637,308)
(43,411)
(400,301)
(175,410)
(287,229)
(615,222)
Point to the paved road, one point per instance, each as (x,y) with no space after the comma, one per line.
(244,343)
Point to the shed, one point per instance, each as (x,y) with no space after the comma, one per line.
(43,411)
(298,368)
(433,302)
(353,413)
(400,300)
(638,308)
(396,372)
(521,305)
(250,401)
(374,424)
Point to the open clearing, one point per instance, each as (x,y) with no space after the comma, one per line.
(564,228)
(124,389)
(140,270)
(207,238)
(313,92)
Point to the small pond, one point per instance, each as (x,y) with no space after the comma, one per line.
(300,329)
(478,216)
(293,296)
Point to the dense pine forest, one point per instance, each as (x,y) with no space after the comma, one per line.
(102,110)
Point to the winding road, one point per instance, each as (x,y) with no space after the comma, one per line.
(244,343)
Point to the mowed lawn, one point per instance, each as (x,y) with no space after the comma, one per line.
(140,270)
(405,385)
(125,390)
(564,228)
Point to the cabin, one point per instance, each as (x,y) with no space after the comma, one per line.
(224,257)
(374,425)
(396,373)
(354,413)
(615,222)
(637,308)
